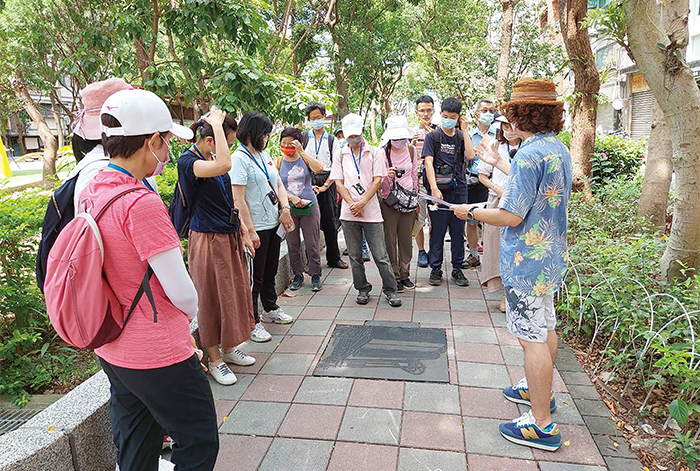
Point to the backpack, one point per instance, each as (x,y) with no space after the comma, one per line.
(179,213)
(81,305)
(318,179)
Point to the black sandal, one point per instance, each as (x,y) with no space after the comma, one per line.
(339,264)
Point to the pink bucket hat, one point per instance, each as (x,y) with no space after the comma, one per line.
(87,122)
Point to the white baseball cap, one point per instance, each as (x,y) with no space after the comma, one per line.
(352,125)
(140,112)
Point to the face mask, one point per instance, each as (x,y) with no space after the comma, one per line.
(288,150)
(399,143)
(448,123)
(354,141)
(342,142)
(316,124)
(486,118)
(510,134)
(161,165)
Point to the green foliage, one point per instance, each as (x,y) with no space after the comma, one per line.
(686,450)
(615,156)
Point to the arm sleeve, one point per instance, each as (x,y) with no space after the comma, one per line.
(239,171)
(337,170)
(381,157)
(485,168)
(428,145)
(379,164)
(521,189)
(414,171)
(170,270)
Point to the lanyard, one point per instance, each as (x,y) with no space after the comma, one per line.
(221,177)
(358,162)
(126,172)
(318,143)
(508,146)
(260,166)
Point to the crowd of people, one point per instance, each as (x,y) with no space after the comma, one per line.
(506,174)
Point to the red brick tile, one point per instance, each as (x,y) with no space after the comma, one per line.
(516,373)
(260,359)
(581,450)
(558,383)
(393,315)
(319,313)
(478,353)
(481,319)
(241,453)
(506,338)
(295,299)
(433,431)
(377,393)
(350,299)
(452,368)
(362,457)
(487,403)
(493,463)
(273,388)
(431,304)
(278,329)
(300,344)
(466,293)
(336,289)
(312,421)
(223,409)
(493,306)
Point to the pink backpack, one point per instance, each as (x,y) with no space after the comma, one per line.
(82,306)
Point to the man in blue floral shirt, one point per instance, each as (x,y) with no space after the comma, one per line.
(533,250)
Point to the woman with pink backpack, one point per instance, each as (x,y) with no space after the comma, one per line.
(157,383)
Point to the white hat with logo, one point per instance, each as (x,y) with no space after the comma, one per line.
(352,125)
(140,112)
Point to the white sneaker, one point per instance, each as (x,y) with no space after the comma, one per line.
(277,316)
(237,357)
(259,334)
(222,374)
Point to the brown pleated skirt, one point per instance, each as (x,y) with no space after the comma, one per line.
(218,268)
(490,268)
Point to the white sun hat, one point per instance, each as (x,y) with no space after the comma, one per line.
(396,127)
(140,112)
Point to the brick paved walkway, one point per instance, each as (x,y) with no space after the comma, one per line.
(279,417)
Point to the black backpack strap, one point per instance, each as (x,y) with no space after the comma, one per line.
(305,139)
(331,140)
(145,287)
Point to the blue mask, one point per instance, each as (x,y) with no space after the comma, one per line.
(486,118)
(342,142)
(316,124)
(448,123)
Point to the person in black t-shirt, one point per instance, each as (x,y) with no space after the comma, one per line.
(217,243)
(446,152)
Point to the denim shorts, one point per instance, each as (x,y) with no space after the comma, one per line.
(529,317)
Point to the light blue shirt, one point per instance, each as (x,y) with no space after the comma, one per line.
(476,135)
(245,172)
(533,254)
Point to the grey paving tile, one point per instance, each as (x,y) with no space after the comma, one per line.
(482,375)
(232,392)
(292,454)
(583,392)
(366,425)
(355,314)
(331,300)
(261,347)
(317,390)
(412,459)
(472,305)
(473,334)
(432,317)
(431,397)
(601,426)
(566,361)
(310,327)
(607,447)
(550,466)
(595,408)
(255,418)
(513,355)
(622,464)
(431,291)
(293,311)
(287,364)
(498,319)
(482,437)
(566,412)
(572,377)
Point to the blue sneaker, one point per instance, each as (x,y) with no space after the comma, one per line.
(520,394)
(422,259)
(524,431)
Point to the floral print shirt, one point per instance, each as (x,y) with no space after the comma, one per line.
(533,254)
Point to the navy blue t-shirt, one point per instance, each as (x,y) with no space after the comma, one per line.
(446,155)
(213,197)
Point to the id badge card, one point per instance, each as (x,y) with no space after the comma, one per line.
(359,189)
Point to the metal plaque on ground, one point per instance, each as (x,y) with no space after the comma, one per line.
(380,350)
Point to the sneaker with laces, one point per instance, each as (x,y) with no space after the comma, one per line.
(472,261)
(316,284)
(237,357)
(393,299)
(520,394)
(222,374)
(422,259)
(168,443)
(297,282)
(365,256)
(362,297)
(435,277)
(399,286)
(259,334)
(407,284)
(459,278)
(278,316)
(524,431)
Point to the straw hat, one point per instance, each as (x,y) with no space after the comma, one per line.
(529,91)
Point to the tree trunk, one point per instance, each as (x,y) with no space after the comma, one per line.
(584,107)
(657,175)
(20,133)
(372,118)
(57,119)
(22,94)
(141,59)
(678,96)
(342,86)
(504,58)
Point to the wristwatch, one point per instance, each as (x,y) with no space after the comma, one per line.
(285,207)
(470,214)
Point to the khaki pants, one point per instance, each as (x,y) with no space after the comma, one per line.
(398,228)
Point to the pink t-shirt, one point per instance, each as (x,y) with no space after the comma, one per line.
(400,159)
(359,169)
(135,228)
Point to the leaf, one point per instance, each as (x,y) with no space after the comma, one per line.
(680,411)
